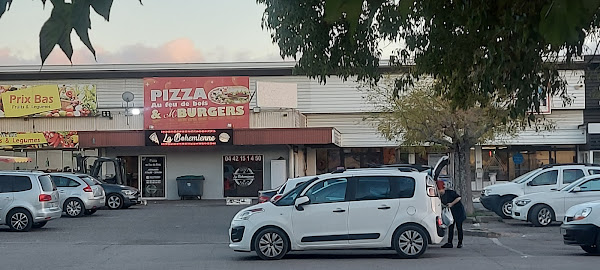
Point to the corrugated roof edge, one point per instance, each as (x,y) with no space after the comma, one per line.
(152,67)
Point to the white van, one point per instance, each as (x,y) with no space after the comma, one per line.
(498,198)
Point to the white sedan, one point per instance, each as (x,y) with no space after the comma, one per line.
(582,227)
(543,208)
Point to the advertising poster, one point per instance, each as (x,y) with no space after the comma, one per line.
(153,176)
(48,139)
(202,137)
(196,103)
(48,100)
(242,175)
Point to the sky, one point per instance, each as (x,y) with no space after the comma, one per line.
(159,31)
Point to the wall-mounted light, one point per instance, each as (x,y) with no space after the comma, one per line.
(229,125)
(135,111)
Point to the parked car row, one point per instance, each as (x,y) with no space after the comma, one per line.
(567,193)
(29,199)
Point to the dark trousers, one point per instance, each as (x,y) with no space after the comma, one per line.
(451,232)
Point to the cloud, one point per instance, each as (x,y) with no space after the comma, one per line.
(180,50)
(176,51)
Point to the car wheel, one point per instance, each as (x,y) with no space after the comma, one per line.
(271,244)
(19,220)
(90,212)
(505,208)
(39,224)
(74,207)
(591,249)
(410,242)
(114,201)
(541,215)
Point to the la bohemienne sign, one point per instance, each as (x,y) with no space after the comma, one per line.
(189,137)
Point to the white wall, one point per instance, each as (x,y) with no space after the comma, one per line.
(565,132)
(355,131)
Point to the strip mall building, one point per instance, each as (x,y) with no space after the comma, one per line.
(244,126)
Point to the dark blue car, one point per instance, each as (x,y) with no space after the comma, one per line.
(117,196)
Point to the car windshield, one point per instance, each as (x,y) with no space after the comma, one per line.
(576,183)
(524,177)
(290,197)
(570,186)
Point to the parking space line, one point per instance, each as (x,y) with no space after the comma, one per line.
(497,242)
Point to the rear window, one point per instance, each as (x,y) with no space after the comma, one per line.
(88,180)
(47,183)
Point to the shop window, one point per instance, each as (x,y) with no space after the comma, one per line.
(570,176)
(544,179)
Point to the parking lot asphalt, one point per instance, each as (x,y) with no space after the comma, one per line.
(193,235)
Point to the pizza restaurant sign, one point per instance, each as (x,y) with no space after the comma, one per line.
(188,137)
(196,103)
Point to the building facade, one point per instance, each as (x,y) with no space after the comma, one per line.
(243,126)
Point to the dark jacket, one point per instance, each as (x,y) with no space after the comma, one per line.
(458,210)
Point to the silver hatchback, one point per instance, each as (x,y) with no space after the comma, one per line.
(27,200)
(78,196)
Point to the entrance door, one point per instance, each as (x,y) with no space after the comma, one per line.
(595,157)
(131,171)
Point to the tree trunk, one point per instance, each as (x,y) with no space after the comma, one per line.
(462,179)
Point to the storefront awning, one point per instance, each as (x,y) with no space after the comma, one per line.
(263,136)
(270,136)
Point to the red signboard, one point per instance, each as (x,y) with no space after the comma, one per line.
(196,103)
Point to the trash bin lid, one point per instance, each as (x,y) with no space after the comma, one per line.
(191,177)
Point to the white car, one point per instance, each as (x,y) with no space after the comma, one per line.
(544,207)
(498,198)
(362,208)
(289,185)
(581,227)
(78,196)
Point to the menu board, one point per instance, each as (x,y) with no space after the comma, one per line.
(242,175)
(153,176)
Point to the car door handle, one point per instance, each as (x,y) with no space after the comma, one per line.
(339,210)
(384,207)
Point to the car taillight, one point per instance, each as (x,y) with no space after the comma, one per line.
(263,199)
(45,197)
(87,189)
(439,221)
(276,198)
(431,192)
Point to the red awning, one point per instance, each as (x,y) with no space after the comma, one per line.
(258,136)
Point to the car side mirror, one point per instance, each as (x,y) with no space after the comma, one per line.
(576,189)
(300,202)
(530,183)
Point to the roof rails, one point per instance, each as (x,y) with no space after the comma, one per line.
(402,169)
(567,164)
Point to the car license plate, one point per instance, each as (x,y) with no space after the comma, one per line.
(563,231)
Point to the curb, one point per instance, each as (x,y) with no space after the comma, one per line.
(480,233)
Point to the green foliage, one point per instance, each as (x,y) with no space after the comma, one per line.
(479,51)
(64,18)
